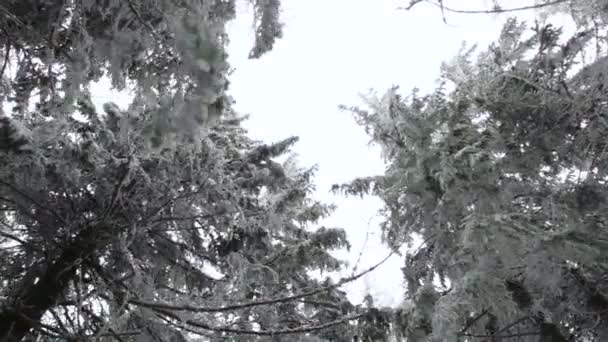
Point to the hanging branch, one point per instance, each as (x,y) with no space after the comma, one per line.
(290,331)
(167,306)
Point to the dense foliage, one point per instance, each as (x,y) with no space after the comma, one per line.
(102,237)
(502,174)
(170,52)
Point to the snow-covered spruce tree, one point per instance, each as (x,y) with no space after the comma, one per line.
(122,225)
(103,238)
(502,174)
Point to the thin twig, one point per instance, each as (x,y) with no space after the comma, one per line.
(363,246)
(411,5)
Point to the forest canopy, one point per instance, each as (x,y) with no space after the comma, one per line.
(501,172)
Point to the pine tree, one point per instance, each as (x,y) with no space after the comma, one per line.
(499,179)
(101,237)
(162,221)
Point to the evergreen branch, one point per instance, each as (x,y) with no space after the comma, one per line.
(522,334)
(167,306)
(289,331)
(117,334)
(34,201)
(185,247)
(594,294)
(320,303)
(512,324)
(292,331)
(536,86)
(126,168)
(148,218)
(473,321)
(141,19)
(492,11)
(58,320)
(105,326)
(10,16)
(186,328)
(41,327)
(6,53)
(14,238)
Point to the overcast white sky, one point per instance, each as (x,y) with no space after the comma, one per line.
(332,51)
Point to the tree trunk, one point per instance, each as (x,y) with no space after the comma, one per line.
(550,333)
(33,299)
